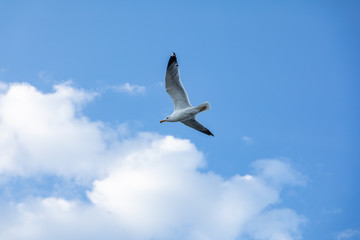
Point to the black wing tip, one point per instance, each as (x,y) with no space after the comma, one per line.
(207,132)
(172,59)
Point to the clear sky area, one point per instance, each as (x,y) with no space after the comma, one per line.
(82,92)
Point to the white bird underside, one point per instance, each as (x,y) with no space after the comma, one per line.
(183,111)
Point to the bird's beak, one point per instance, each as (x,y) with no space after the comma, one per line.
(162,121)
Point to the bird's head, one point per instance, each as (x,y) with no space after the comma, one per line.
(164,120)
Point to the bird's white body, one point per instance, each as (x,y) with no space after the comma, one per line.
(187,113)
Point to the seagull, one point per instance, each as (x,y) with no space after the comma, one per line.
(183,111)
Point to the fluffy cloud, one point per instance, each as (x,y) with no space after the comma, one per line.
(45,133)
(247,140)
(348,234)
(158,190)
(146,187)
(131,89)
(278,224)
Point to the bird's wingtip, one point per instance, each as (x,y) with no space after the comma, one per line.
(207,132)
(172,59)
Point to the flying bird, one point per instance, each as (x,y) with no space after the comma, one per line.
(183,111)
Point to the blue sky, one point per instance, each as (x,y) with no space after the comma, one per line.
(282,79)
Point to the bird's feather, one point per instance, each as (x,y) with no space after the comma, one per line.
(197,126)
(173,85)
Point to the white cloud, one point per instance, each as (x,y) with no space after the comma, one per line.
(146,187)
(43,75)
(348,234)
(247,140)
(54,218)
(332,211)
(278,172)
(278,224)
(46,133)
(130,88)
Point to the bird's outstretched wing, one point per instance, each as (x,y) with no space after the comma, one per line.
(197,126)
(174,86)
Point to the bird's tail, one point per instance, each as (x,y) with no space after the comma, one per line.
(203,107)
